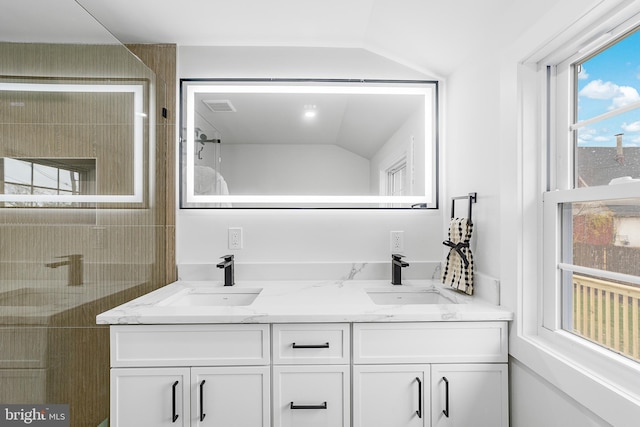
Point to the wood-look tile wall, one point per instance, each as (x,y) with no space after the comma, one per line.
(162,60)
(73,125)
(51,350)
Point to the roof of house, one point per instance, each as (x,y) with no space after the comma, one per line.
(600,165)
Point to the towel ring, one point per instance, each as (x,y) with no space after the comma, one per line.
(472,197)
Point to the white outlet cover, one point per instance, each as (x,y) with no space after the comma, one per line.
(397,241)
(235,238)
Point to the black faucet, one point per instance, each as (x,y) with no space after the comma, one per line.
(228,266)
(396,268)
(74,262)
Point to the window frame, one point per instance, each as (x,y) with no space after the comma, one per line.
(397,177)
(86,182)
(558,95)
(33,162)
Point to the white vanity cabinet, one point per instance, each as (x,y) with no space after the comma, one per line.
(430,374)
(190,375)
(311,375)
(388,374)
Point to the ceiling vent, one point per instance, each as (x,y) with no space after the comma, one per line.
(219,105)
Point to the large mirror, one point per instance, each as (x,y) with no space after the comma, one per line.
(308,144)
(72,143)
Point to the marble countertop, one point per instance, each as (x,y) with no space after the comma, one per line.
(303,302)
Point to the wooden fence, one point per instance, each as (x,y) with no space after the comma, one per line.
(607,313)
(622,259)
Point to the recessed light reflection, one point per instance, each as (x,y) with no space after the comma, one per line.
(310,111)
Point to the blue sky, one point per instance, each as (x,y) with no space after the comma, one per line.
(608,81)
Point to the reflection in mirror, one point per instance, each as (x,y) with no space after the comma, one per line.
(51,176)
(72,165)
(364,144)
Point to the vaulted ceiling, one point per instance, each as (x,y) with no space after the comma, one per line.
(436,36)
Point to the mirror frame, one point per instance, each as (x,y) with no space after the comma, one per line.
(189,88)
(137,90)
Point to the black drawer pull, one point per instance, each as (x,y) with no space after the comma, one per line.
(202,414)
(173,402)
(323,406)
(446,397)
(419,411)
(325,345)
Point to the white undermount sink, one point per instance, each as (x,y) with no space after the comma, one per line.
(205,297)
(403,296)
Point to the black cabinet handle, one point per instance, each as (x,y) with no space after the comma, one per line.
(419,411)
(173,401)
(322,406)
(446,397)
(202,414)
(325,345)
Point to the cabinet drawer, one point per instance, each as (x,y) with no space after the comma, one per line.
(311,344)
(450,342)
(189,345)
(311,396)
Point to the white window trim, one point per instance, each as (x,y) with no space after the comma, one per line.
(603,382)
(619,370)
(393,161)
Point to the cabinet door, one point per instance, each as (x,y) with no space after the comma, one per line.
(156,397)
(469,395)
(230,396)
(311,396)
(391,395)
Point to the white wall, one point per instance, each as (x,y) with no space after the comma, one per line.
(538,403)
(471,153)
(301,235)
(318,169)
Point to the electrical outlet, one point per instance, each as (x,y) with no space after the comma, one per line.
(397,241)
(235,238)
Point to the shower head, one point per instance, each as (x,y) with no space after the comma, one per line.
(203,139)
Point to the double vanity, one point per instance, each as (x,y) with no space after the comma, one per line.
(360,353)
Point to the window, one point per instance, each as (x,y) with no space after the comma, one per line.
(397,179)
(46,177)
(592,216)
